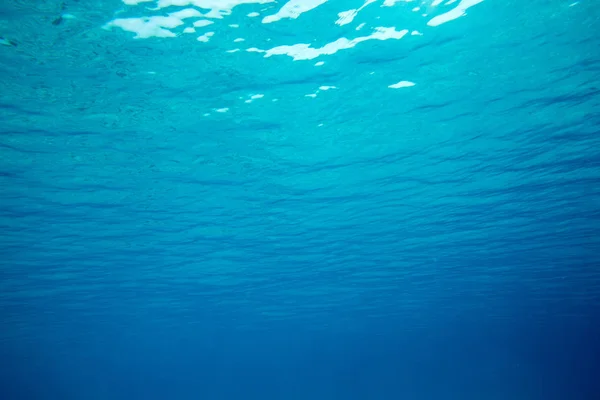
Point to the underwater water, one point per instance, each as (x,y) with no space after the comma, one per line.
(312,199)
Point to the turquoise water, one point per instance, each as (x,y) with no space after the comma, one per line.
(239,199)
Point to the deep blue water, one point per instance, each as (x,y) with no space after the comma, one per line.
(190,216)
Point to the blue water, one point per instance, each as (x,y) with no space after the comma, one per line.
(187,216)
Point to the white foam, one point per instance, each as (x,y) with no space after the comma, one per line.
(293,9)
(402,84)
(453,14)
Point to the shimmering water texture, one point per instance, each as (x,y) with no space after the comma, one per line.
(353,200)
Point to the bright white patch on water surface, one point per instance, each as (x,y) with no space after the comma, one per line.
(321,89)
(345,17)
(453,14)
(186,13)
(255,97)
(206,37)
(135,2)
(401,84)
(202,22)
(221,5)
(147,27)
(293,9)
(303,51)
(390,3)
(155,26)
